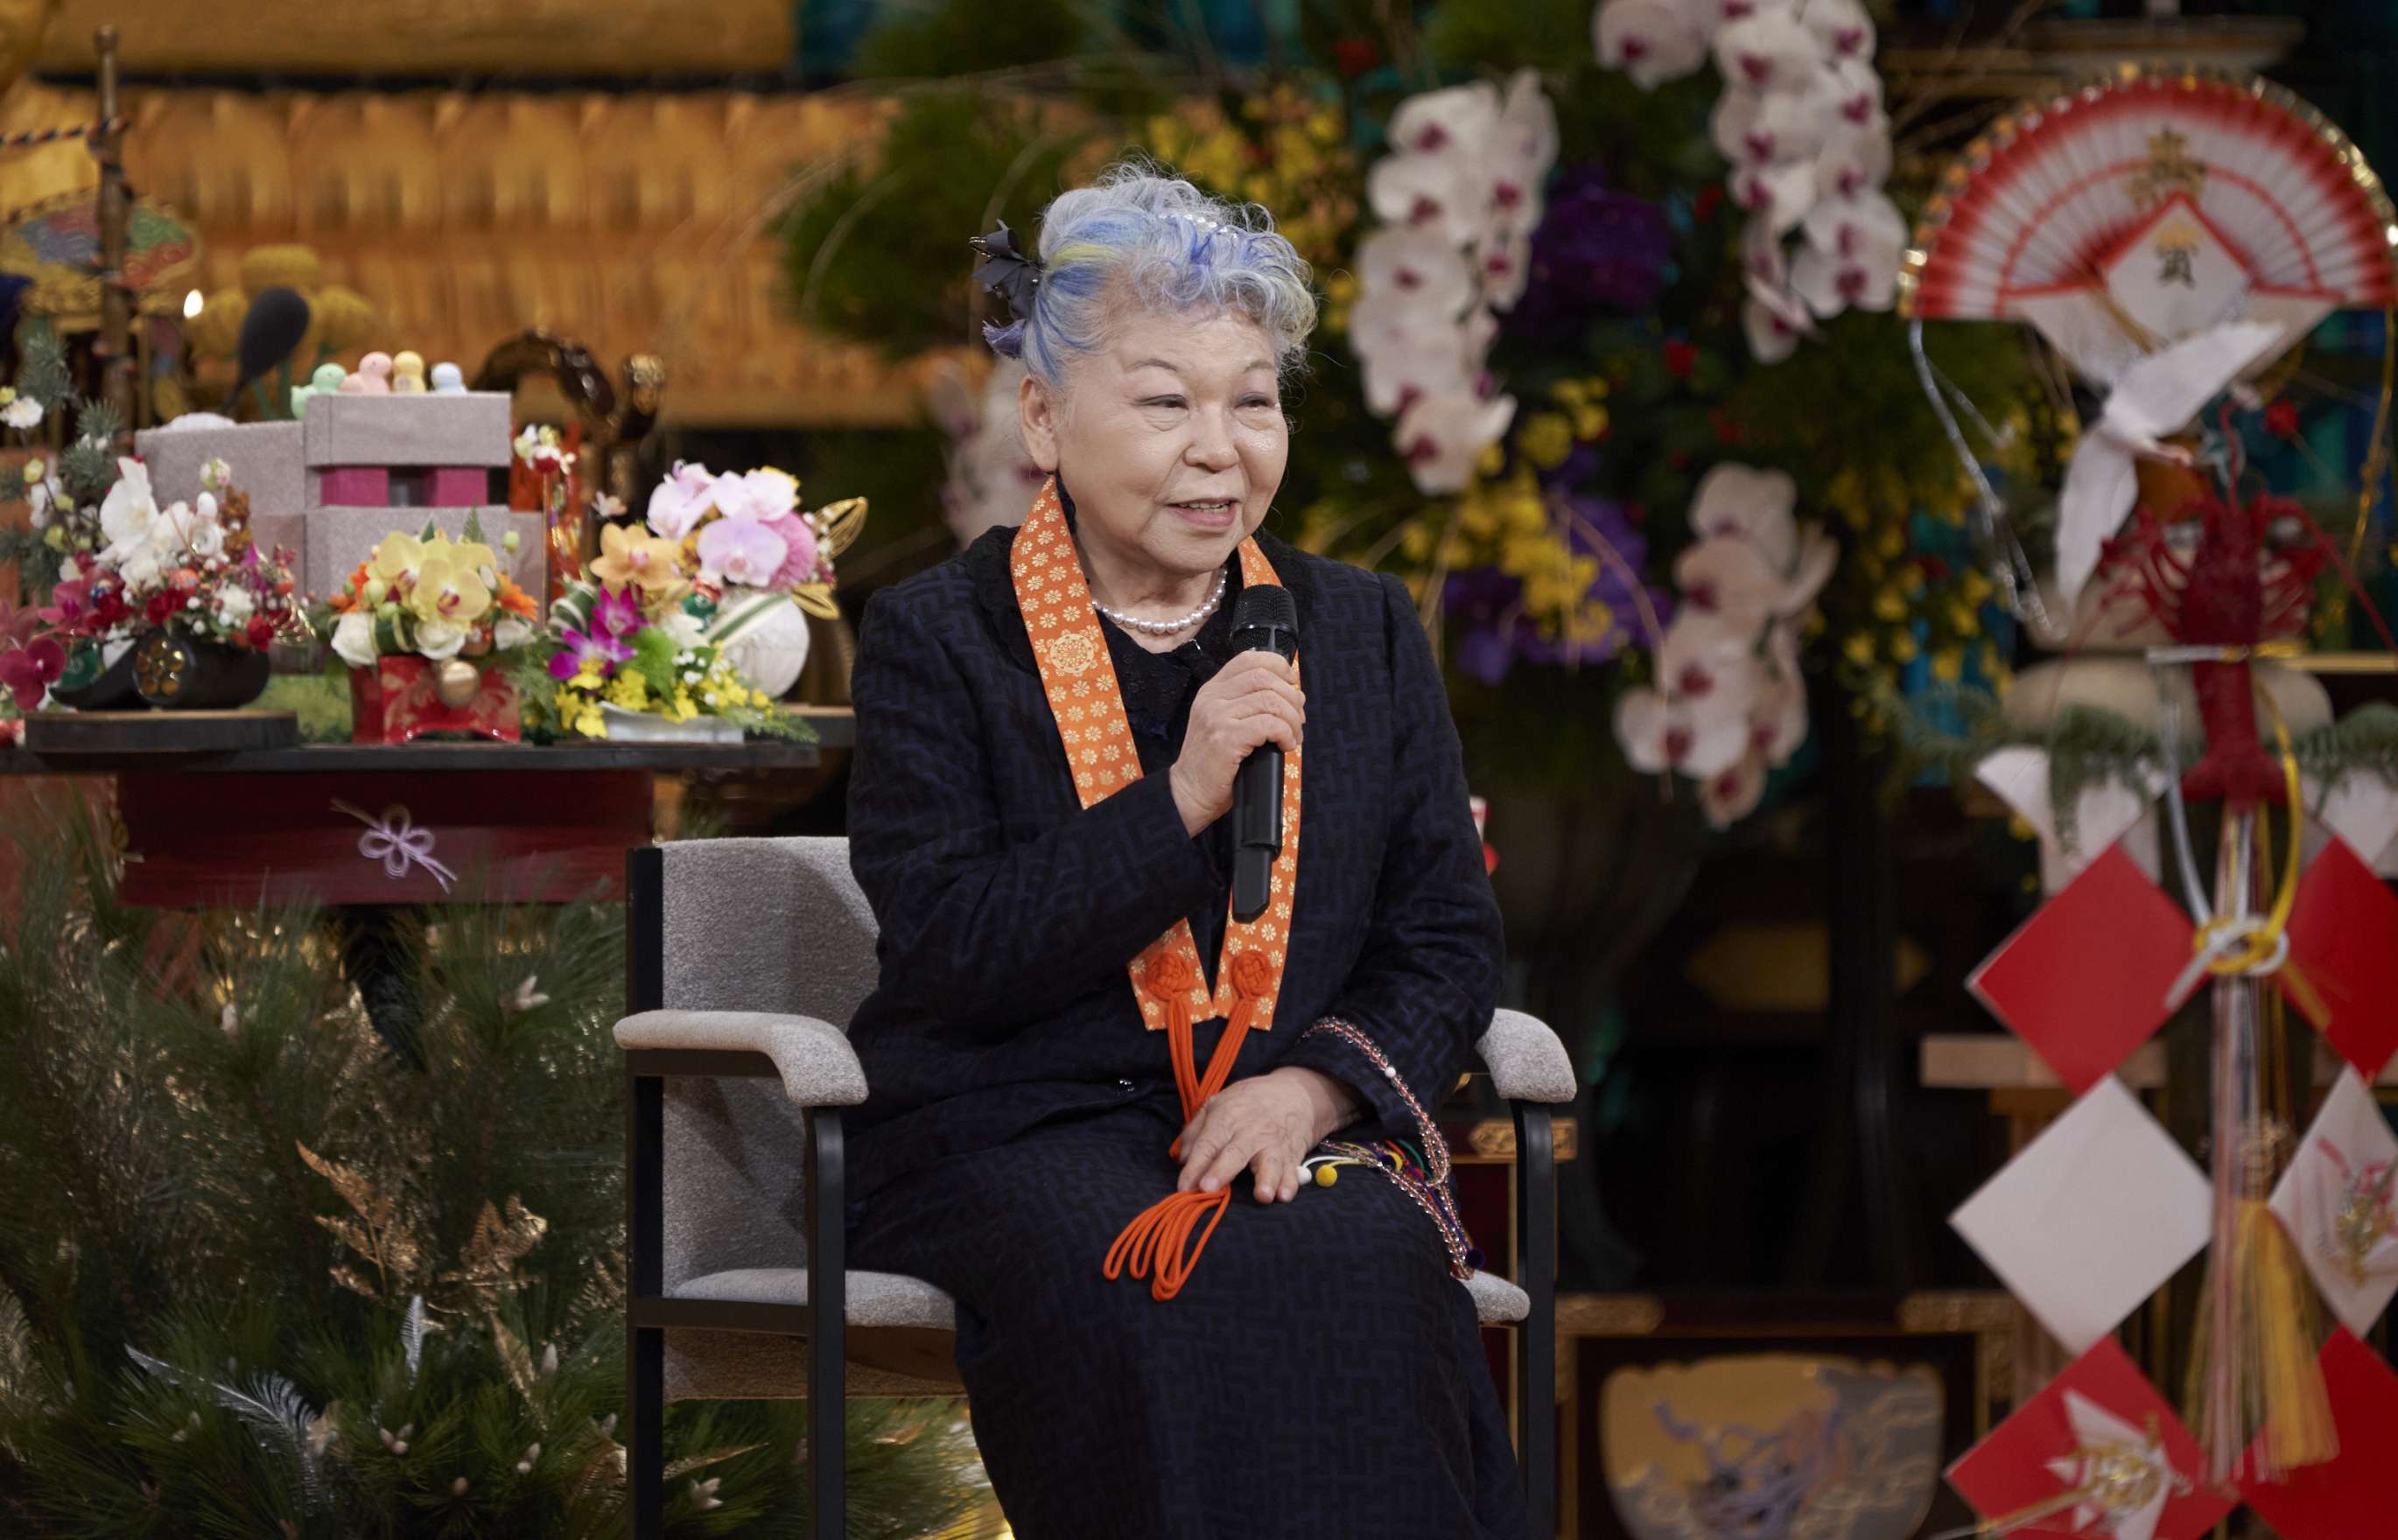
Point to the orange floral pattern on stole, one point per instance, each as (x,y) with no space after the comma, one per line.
(1088,707)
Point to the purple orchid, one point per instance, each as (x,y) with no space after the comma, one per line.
(615,616)
(583,647)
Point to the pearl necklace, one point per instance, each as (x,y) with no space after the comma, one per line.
(1166,628)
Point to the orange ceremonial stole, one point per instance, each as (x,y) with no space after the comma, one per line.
(1087,705)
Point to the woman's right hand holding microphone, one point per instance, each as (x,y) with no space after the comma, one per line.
(1252,701)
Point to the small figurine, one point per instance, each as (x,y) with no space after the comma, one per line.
(373,377)
(407,374)
(328,379)
(448,380)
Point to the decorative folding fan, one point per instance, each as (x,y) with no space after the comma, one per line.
(2136,212)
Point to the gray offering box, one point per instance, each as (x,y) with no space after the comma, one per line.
(332,541)
(265,460)
(411,449)
(467,429)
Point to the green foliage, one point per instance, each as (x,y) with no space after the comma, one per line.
(41,370)
(261,1274)
(879,254)
(923,39)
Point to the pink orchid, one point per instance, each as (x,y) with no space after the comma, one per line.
(741,550)
(680,500)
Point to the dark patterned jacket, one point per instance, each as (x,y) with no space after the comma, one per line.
(1009,914)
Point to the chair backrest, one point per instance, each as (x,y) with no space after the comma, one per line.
(752,925)
(767,925)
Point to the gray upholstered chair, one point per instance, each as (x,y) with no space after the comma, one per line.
(745,958)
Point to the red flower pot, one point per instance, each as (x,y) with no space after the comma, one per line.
(400,699)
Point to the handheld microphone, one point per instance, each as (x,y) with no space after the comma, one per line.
(1266,617)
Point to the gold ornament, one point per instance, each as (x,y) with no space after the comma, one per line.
(456,681)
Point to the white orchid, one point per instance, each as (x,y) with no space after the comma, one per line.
(1751,559)
(1456,120)
(1653,41)
(1441,435)
(1428,193)
(1774,322)
(1732,793)
(1841,28)
(1831,284)
(1419,268)
(1777,718)
(991,476)
(1523,147)
(1851,257)
(1506,269)
(1695,720)
(1768,52)
(1409,352)
(1757,128)
(1801,120)
(1854,161)
(1779,194)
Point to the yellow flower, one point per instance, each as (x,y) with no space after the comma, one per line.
(682,710)
(630,691)
(1859,649)
(1964,620)
(1893,543)
(1948,665)
(1890,604)
(1546,439)
(1910,581)
(1975,586)
(1902,646)
(1991,665)
(397,556)
(640,558)
(590,723)
(1489,460)
(447,589)
(1590,423)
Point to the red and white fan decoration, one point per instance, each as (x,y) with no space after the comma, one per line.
(2131,214)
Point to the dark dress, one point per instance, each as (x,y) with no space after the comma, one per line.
(1320,1376)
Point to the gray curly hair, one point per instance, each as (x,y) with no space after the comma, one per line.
(1162,243)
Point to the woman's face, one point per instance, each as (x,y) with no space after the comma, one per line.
(1170,438)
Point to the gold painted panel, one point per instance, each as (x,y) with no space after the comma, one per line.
(626,38)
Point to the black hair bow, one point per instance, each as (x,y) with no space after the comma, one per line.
(1006,272)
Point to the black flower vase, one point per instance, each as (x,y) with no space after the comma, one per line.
(176,672)
(100,688)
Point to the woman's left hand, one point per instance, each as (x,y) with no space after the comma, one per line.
(1266,1124)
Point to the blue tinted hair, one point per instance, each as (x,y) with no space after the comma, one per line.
(1135,236)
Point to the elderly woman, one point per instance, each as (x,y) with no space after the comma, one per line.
(1100,1098)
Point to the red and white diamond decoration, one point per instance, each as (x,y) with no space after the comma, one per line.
(2089,1219)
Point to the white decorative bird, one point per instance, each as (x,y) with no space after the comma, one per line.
(2151,399)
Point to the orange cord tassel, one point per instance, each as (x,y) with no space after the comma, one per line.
(1159,1241)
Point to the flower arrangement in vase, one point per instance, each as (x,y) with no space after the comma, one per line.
(696,620)
(424,624)
(178,605)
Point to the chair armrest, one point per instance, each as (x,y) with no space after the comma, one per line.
(1526,1061)
(819,1069)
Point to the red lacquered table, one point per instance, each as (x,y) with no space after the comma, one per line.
(372,830)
